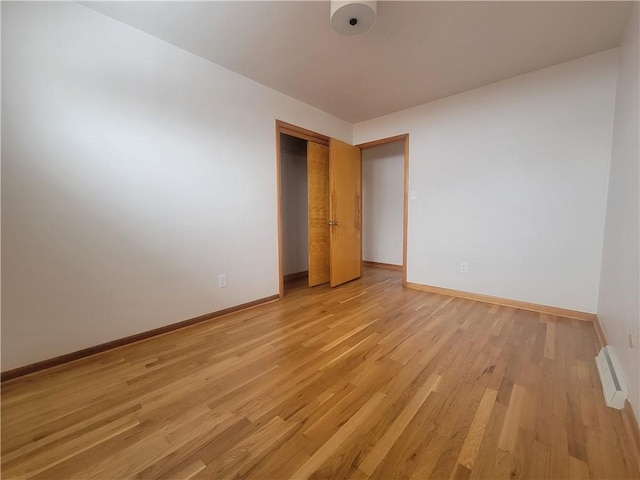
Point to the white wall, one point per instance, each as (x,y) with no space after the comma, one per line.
(295,213)
(512,179)
(619,304)
(133,173)
(382,203)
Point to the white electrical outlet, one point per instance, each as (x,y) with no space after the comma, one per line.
(464,268)
(413,194)
(222,280)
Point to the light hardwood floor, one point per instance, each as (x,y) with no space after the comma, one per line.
(368,380)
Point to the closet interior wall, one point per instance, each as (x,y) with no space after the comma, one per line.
(293,157)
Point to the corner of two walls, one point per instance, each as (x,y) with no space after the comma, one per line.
(511,179)
(133,174)
(619,300)
(534,183)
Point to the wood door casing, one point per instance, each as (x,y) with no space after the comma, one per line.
(318,216)
(345,210)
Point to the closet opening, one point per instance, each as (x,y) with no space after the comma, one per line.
(303,217)
(320,221)
(294,210)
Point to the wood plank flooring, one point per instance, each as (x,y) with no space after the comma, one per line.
(367,380)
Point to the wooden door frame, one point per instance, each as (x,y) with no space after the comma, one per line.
(304,134)
(384,141)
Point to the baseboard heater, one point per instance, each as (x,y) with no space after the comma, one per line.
(613,385)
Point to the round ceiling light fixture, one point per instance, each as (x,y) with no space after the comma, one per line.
(353,18)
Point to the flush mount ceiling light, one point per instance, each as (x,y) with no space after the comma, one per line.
(353,18)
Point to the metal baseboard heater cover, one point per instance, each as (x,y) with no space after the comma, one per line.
(613,385)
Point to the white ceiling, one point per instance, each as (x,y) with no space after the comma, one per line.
(416,52)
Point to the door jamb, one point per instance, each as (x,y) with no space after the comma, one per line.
(304,134)
(385,141)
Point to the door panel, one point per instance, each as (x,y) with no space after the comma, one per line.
(318,218)
(345,212)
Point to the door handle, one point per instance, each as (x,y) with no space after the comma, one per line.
(332,223)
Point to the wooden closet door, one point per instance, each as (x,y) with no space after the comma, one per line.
(345,212)
(318,217)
